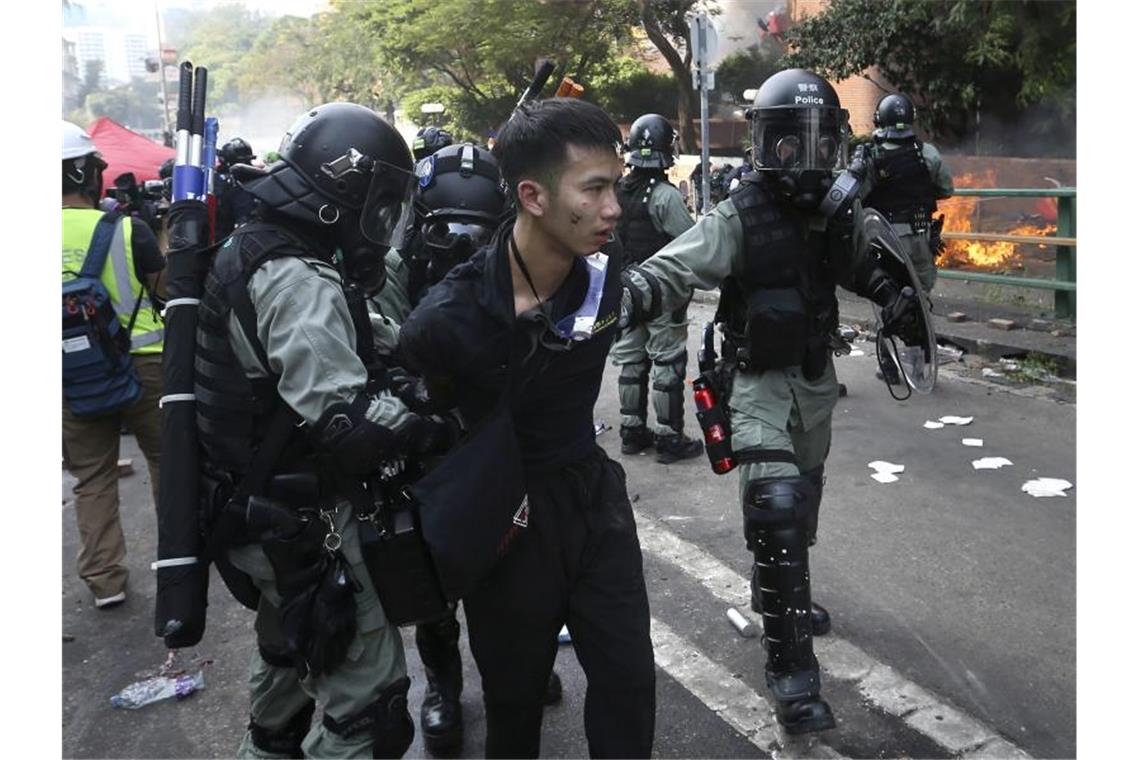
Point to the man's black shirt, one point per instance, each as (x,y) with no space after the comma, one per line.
(463,328)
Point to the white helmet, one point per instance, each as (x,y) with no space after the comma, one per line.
(76,142)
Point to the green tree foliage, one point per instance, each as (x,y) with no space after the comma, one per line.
(628,89)
(318,59)
(666,23)
(747,69)
(476,56)
(133,105)
(220,38)
(1012,61)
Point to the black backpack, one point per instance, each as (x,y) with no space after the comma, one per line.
(98,376)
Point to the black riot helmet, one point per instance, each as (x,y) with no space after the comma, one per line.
(799,135)
(428,140)
(236,151)
(651,142)
(345,170)
(894,117)
(460,202)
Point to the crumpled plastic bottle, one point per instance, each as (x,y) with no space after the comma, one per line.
(158,688)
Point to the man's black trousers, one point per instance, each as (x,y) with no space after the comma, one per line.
(577,562)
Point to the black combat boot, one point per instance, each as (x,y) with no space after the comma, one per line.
(678,446)
(820,620)
(441,715)
(634,440)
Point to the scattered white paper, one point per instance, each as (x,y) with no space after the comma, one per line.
(1046,487)
(884,477)
(987,372)
(880,466)
(950,419)
(991,463)
(971,441)
(857,352)
(931,425)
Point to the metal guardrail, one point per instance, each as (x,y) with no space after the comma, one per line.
(1064,287)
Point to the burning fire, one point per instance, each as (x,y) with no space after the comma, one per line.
(961,211)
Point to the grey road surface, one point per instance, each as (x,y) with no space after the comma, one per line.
(952,594)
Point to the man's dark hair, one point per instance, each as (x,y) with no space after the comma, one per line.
(532,144)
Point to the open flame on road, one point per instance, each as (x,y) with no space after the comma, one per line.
(961,213)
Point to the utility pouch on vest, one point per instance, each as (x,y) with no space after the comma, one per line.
(400,566)
(777,328)
(98,375)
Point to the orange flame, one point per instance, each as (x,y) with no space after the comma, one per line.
(961,211)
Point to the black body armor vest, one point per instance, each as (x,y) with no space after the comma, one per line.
(903,191)
(782,309)
(639,237)
(234,410)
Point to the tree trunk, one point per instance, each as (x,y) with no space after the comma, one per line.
(680,69)
(685,116)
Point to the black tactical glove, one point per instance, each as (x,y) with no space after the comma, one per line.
(432,435)
(901,316)
(413,391)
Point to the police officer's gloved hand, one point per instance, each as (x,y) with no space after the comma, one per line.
(901,316)
(413,391)
(429,435)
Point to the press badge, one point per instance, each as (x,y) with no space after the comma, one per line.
(72,345)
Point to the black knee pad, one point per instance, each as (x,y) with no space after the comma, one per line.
(776,503)
(387,719)
(287,739)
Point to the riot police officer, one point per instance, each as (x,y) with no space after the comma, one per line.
(428,140)
(777,261)
(907,180)
(235,204)
(279,370)
(653,213)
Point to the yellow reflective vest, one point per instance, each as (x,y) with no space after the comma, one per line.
(118,275)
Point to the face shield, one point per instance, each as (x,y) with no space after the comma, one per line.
(388,208)
(799,139)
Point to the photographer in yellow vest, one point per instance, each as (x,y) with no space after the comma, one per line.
(131,276)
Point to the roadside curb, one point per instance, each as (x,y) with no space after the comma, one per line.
(973,337)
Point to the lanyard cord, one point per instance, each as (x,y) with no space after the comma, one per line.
(523,269)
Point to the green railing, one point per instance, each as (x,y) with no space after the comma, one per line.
(1064,287)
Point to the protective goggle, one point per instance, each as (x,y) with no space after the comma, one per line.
(448,235)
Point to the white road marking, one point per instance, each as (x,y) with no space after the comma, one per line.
(736,703)
(882,685)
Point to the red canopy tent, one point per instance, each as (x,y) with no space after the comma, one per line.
(127,151)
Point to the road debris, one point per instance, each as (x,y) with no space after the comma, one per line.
(742,624)
(1040,487)
(885,472)
(991,463)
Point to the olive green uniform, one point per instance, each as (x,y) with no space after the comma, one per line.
(305,327)
(776,408)
(917,244)
(661,340)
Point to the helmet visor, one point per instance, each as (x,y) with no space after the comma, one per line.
(388,208)
(800,138)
